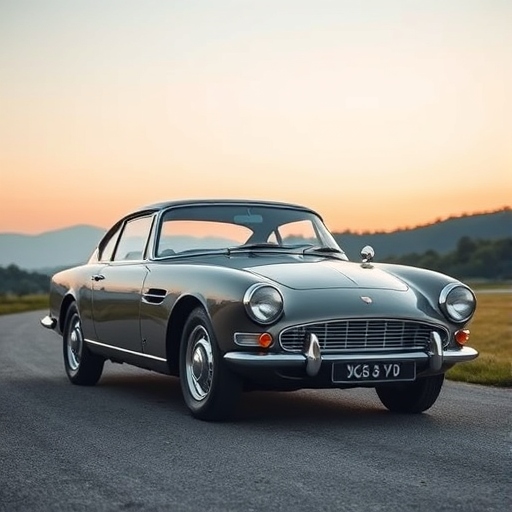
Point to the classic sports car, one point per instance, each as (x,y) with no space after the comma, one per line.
(234,295)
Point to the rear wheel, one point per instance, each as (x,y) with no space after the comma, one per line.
(82,366)
(209,388)
(411,397)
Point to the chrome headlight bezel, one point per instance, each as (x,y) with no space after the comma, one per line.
(451,296)
(262,294)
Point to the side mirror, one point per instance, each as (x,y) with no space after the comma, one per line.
(367,254)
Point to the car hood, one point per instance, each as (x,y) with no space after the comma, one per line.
(328,274)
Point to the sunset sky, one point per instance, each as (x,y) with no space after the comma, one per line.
(378,113)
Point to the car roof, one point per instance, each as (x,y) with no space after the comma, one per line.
(203,202)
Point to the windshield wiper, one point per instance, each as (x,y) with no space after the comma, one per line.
(252,247)
(337,253)
(328,251)
(313,248)
(193,252)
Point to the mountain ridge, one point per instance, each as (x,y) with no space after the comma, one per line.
(441,236)
(427,224)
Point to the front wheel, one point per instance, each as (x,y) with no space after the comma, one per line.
(411,397)
(82,366)
(209,388)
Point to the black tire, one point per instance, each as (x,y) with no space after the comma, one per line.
(411,397)
(209,388)
(82,366)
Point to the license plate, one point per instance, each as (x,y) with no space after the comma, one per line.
(373,372)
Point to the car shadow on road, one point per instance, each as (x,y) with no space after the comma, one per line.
(357,408)
(348,407)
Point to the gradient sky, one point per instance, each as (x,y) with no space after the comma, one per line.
(379,113)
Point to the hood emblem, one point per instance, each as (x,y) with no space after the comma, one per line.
(367,300)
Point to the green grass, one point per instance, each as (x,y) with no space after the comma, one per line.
(14,304)
(491,335)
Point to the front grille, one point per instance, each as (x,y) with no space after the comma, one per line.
(362,335)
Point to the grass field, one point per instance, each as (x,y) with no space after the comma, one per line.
(14,304)
(491,334)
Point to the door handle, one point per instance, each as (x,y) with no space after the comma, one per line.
(98,277)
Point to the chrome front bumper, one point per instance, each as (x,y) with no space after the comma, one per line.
(311,359)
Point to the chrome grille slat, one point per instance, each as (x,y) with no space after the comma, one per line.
(362,335)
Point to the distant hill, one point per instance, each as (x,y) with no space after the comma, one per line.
(441,236)
(73,245)
(60,248)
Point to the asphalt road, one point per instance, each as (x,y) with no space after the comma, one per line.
(129,444)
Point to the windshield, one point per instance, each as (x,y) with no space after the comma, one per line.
(238,227)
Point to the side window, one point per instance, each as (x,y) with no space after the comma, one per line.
(108,248)
(133,239)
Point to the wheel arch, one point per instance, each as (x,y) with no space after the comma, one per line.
(180,312)
(66,302)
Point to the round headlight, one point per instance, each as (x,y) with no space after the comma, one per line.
(457,302)
(264,303)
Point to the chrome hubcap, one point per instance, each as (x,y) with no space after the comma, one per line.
(199,363)
(74,344)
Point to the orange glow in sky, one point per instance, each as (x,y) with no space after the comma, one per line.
(378,114)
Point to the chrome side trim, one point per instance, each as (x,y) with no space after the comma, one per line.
(97,343)
(48,322)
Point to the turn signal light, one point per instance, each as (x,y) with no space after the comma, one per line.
(265,340)
(462,336)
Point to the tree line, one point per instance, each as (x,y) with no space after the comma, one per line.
(472,259)
(15,281)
